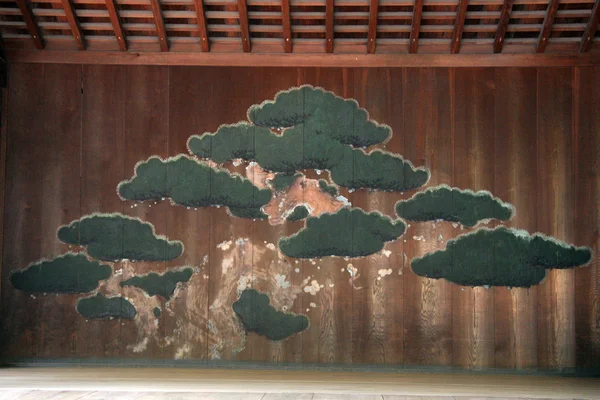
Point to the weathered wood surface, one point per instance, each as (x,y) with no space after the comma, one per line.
(530,136)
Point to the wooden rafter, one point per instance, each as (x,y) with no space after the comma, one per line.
(372,35)
(590,30)
(547,26)
(244,29)
(502,25)
(114,20)
(202,31)
(416,26)
(32,27)
(329,26)
(459,25)
(286,25)
(160,25)
(73,24)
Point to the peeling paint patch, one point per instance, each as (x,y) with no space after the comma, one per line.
(224,245)
(281,281)
(313,288)
(270,246)
(386,253)
(139,347)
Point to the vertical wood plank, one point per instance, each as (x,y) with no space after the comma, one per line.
(515,182)
(145,132)
(60,191)
(428,136)
(102,168)
(228,95)
(329,337)
(555,211)
(267,261)
(586,156)
(473,308)
(377,307)
(188,101)
(22,235)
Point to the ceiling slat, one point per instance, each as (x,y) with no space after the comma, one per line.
(286,25)
(245,33)
(416,25)
(160,25)
(32,27)
(75,30)
(372,35)
(329,9)
(502,25)
(590,30)
(547,26)
(116,24)
(202,31)
(459,25)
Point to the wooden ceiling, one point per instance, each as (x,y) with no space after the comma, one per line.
(390,27)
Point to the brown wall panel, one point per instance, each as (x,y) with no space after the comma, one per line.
(529,136)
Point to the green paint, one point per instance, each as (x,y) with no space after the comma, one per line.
(327,188)
(156,312)
(258,316)
(322,131)
(299,213)
(455,205)
(191,183)
(112,237)
(347,233)
(160,285)
(320,112)
(499,257)
(99,306)
(69,273)
(283,181)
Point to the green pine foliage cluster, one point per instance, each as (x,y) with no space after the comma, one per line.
(259,316)
(111,237)
(101,307)
(346,233)
(163,285)
(68,273)
(191,183)
(455,205)
(327,188)
(283,181)
(299,213)
(321,131)
(499,257)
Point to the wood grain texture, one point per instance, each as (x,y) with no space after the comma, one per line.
(416,26)
(555,206)
(473,308)
(530,136)
(515,147)
(590,29)
(116,24)
(547,25)
(102,168)
(586,146)
(428,140)
(502,25)
(377,306)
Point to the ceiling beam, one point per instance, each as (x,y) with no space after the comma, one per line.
(202,31)
(160,25)
(459,25)
(329,7)
(114,20)
(305,60)
(372,35)
(32,26)
(244,30)
(502,25)
(73,24)
(416,27)
(547,26)
(590,30)
(286,25)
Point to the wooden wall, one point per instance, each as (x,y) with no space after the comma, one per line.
(530,136)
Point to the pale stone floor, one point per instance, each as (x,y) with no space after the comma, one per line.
(95,395)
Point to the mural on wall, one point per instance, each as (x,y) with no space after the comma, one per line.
(301,132)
